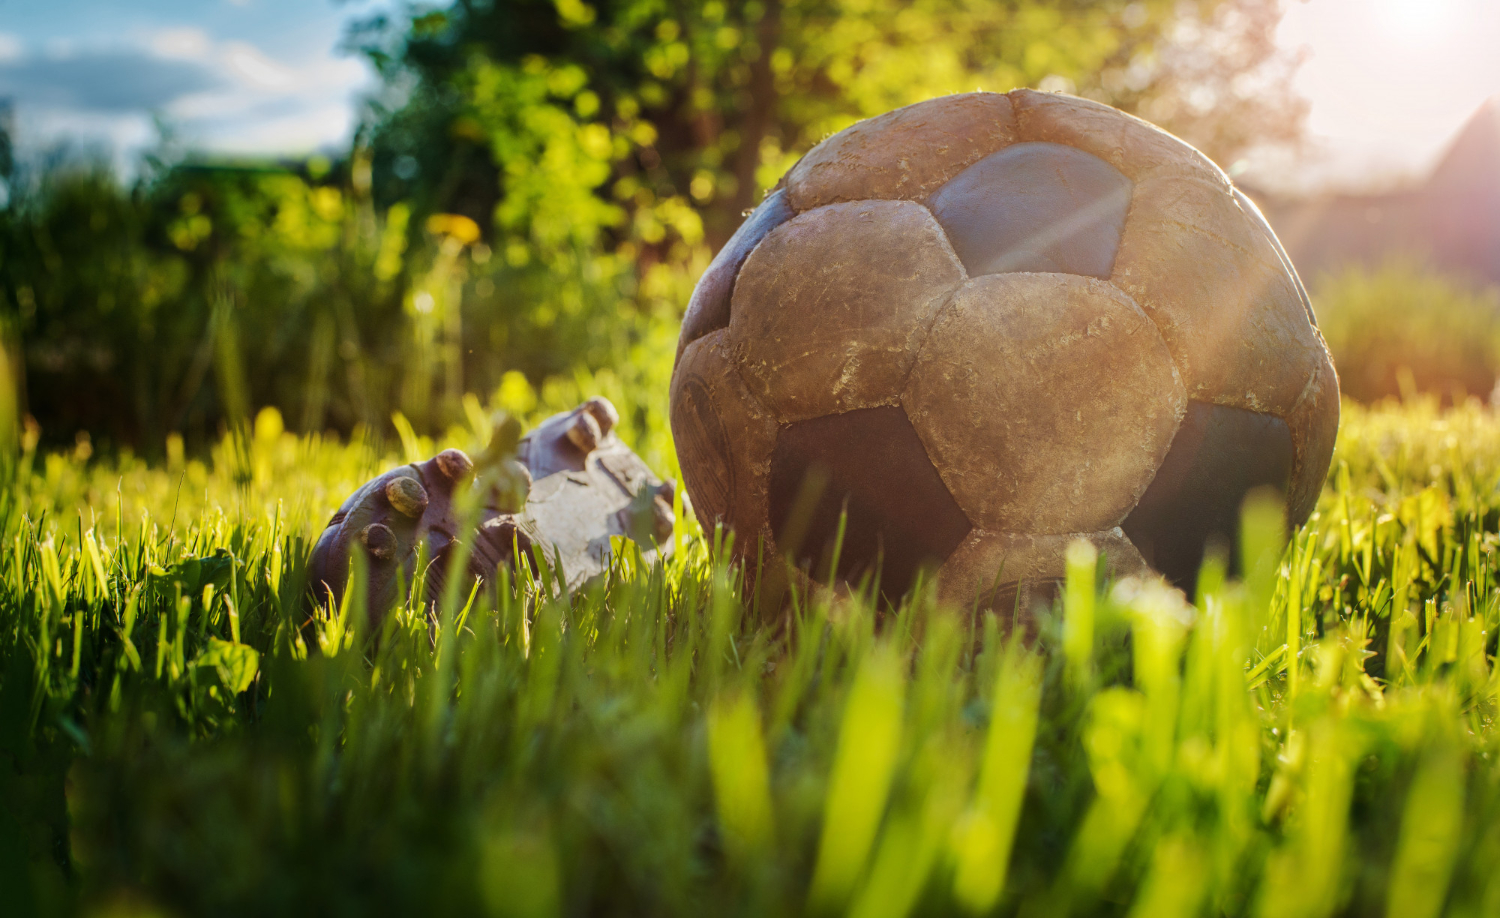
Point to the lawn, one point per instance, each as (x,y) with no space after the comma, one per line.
(181,734)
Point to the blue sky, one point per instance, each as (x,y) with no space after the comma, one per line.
(235,76)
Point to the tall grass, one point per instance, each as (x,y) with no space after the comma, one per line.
(179,732)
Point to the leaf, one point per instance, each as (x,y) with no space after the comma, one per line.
(196,573)
(236,664)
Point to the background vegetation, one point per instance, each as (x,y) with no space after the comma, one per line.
(1401,328)
(535,188)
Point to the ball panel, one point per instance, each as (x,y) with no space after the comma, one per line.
(994,569)
(1218,456)
(724,440)
(831,307)
(1035,207)
(1314,425)
(904,154)
(1259,219)
(708,309)
(1135,147)
(1046,401)
(1215,287)
(870,464)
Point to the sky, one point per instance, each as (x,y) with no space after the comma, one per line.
(1389,81)
(231,76)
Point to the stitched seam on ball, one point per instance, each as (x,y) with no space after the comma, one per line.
(963,278)
(1171,358)
(763,502)
(926,333)
(1120,243)
(1176,379)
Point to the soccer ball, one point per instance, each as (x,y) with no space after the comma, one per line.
(982,326)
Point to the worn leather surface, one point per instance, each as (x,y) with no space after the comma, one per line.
(708,309)
(579,500)
(1042,284)
(585,486)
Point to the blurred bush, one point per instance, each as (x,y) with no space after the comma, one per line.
(179,304)
(1403,328)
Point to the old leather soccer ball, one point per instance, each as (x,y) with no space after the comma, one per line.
(986,325)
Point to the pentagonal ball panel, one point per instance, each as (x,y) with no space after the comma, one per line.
(1213,283)
(1006,570)
(1135,147)
(709,307)
(870,465)
(1218,456)
(1046,402)
(1035,207)
(831,307)
(724,441)
(906,153)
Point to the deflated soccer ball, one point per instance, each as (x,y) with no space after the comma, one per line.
(986,325)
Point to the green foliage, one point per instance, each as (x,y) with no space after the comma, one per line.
(179,731)
(660,106)
(535,190)
(178,304)
(1403,328)
(206,291)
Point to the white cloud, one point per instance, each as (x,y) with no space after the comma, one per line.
(272,106)
(256,69)
(302,131)
(185,43)
(224,96)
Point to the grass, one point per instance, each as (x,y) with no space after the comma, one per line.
(1314,740)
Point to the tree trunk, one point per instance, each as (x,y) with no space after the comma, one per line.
(759,112)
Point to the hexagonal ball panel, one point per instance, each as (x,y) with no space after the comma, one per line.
(1217,457)
(724,440)
(709,307)
(1252,210)
(831,307)
(1046,401)
(906,153)
(870,463)
(1135,147)
(1035,207)
(1215,286)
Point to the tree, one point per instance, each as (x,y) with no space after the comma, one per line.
(514,113)
(607,150)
